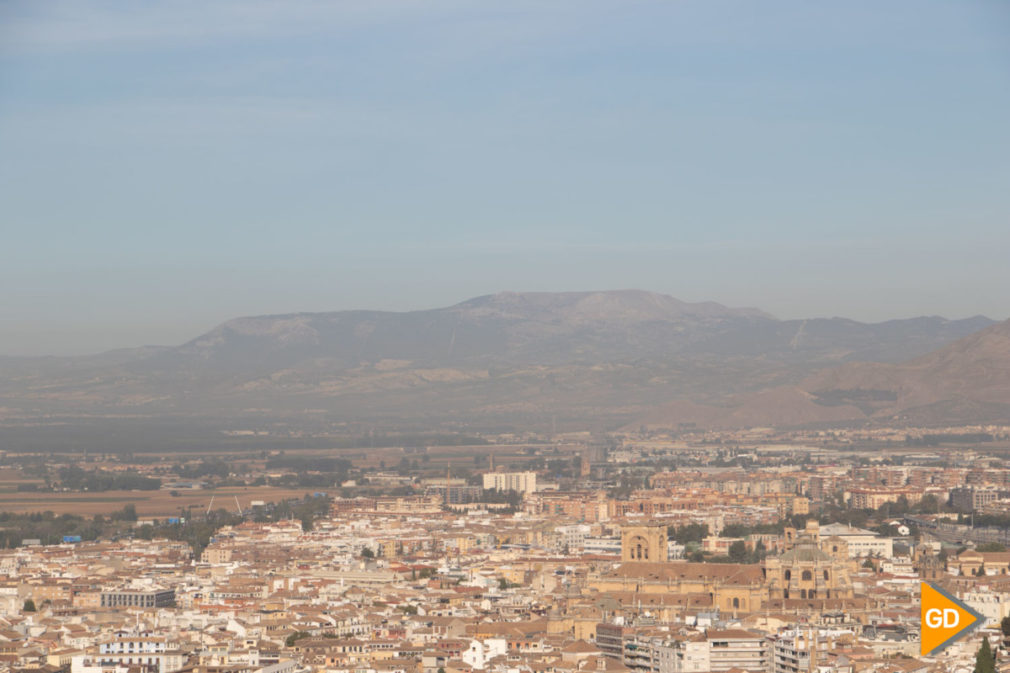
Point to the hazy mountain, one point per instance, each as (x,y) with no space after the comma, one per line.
(971,376)
(550,329)
(504,360)
(967,381)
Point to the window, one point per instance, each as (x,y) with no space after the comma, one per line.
(807,576)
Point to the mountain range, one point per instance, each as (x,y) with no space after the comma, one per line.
(575,360)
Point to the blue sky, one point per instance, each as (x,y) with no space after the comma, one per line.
(165,166)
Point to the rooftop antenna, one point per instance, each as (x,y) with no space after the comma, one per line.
(210,505)
(238,506)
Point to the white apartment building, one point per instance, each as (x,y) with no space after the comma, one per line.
(736,648)
(573,537)
(792,650)
(717,651)
(992,604)
(860,542)
(151,653)
(683,656)
(523,482)
(480,653)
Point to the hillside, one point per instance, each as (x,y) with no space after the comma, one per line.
(967,381)
(510,360)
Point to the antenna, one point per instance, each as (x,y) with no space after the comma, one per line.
(238,506)
(210,505)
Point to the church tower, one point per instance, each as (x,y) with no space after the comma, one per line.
(646,543)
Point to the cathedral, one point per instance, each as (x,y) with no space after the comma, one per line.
(813,569)
(812,574)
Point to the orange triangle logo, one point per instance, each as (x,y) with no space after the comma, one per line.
(944,619)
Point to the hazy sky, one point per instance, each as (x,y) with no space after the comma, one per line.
(165,166)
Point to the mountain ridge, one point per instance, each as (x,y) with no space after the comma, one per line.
(596,358)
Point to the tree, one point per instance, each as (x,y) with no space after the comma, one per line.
(692,532)
(128,513)
(929,503)
(295,637)
(29,606)
(1004,626)
(738,551)
(985,660)
(367,553)
(990,546)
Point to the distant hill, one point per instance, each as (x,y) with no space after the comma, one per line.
(970,377)
(967,381)
(509,360)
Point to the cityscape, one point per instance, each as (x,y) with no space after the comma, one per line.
(772,552)
(442,336)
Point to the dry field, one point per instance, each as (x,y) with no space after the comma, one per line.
(148,503)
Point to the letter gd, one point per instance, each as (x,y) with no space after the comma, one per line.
(950,618)
(934,618)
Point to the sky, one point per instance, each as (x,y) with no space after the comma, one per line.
(166,166)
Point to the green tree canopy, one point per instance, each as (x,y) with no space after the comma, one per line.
(985,661)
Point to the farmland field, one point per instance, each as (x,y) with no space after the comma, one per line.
(148,503)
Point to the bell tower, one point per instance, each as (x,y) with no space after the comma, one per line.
(644,544)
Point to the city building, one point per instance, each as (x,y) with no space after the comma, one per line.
(523,482)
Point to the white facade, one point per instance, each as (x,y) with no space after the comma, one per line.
(737,649)
(693,657)
(524,482)
(153,653)
(995,606)
(479,653)
(860,542)
(573,537)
